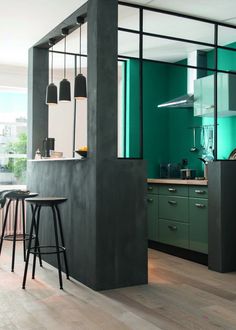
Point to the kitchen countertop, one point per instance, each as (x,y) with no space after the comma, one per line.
(54,159)
(179,181)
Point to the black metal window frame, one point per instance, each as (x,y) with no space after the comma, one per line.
(215,46)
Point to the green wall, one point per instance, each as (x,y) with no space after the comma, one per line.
(181,121)
(155,122)
(167,136)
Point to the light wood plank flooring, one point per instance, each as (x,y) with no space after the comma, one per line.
(180,295)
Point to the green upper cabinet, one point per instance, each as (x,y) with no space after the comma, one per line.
(204,95)
(226,94)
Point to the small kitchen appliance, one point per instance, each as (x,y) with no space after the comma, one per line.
(187,174)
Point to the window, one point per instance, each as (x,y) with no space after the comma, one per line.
(13,135)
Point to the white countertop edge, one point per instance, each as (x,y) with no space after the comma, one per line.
(53,159)
(13,187)
(179,181)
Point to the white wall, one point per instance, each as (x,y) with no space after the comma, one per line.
(13,76)
(61,119)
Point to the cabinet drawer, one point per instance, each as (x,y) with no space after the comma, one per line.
(179,190)
(152,188)
(152,203)
(198,225)
(173,208)
(173,233)
(198,191)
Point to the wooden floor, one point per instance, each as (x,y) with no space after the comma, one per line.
(180,295)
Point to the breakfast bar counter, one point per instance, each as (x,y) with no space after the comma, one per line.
(94,219)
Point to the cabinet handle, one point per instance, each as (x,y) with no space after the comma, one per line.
(172,227)
(200,205)
(172,189)
(200,192)
(150,200)
(150,188)
(210,106)
(172,202)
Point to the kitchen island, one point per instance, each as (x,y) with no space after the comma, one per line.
(104,229)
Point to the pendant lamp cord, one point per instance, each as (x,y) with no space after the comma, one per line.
(52,65)
(65,57)
(80,49)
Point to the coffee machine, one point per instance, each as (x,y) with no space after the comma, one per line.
(48,146)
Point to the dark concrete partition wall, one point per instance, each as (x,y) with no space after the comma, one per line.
(105,217)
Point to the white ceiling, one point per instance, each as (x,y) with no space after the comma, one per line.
(25,22)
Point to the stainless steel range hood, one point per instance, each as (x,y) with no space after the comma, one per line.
(184,101)
(197,58)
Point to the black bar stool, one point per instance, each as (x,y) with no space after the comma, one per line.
(37,204)
(18,197)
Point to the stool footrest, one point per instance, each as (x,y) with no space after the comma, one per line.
(41,247)
(19,237)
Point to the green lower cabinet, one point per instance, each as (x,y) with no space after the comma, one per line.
(173,208)
(198,225)
(173,233)
(152,215)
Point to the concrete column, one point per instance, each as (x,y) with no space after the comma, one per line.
(102,78)
(37,109)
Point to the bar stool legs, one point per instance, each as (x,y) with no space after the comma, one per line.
(36,249)
(62,241)
(29,246)
(4,224)
(57,246)
(36,240)
(13,237)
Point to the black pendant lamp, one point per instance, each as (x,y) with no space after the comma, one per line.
(64,90)
(80,90)
(51,91)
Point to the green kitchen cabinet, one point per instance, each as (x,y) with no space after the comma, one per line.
(173,233)
(198,224)
(204,96)
(152,188)
(152,216)
(178,215)
(198,191)
(173,190)
(173,208)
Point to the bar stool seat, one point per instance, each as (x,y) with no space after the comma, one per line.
(46,201)
(37,249)
(18,197)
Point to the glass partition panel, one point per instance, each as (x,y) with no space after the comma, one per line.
(227,59)
(226,36)
(128,44)
(166,50)
(226,139)
(128,17)
(178,27)
(121,109)
(131,106)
